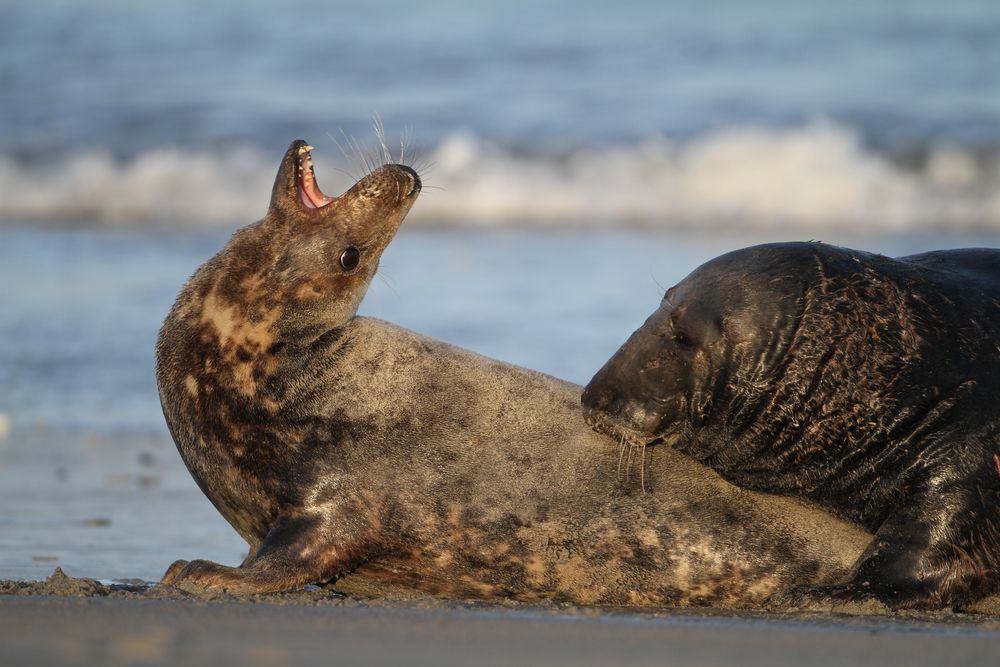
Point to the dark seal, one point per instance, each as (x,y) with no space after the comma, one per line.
(343,447)
(867,384)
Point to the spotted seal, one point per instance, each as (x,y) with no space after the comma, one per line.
(343,447)
(864,383)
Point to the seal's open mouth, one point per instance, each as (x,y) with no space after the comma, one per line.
(310,195)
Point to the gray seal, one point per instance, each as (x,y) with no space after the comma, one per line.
(864,383)
(346,448)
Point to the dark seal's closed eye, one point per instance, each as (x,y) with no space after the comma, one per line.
(683,340)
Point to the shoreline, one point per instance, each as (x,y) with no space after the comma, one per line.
(67,621)
(983,614)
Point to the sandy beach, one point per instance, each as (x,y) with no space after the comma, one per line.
(67,621)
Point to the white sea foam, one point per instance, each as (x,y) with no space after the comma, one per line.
(814,177)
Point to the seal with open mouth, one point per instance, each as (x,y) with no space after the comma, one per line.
(346,448)
(866,384)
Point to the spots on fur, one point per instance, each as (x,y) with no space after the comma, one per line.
(242,341)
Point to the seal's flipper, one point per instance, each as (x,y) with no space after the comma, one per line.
(295,553)
(939,549)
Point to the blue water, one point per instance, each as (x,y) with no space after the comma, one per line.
(799,115)
(134,76)
(579,157)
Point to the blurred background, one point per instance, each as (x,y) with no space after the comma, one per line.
(580,157)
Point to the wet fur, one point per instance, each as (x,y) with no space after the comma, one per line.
(347,448)
(864,383)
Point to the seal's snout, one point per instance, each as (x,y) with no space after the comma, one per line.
(610,406)
(609,413)
(397,178)
(601,404)
(415,183)
(594,402)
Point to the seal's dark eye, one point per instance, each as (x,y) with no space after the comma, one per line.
(683,339)
(349,258)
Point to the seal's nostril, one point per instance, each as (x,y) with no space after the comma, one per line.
(594,401)
(415,184)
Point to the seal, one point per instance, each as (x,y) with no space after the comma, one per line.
(863,383)
(346,448)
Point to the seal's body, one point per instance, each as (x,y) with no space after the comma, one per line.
(866,384)
(348,448)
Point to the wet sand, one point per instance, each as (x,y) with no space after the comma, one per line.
(70,621)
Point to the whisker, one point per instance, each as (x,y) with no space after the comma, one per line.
(338,144)
(380,135)
(621,454)
(356,155)
(422,164)
(663,289)
(363,155)
(642,468)
(388,283)
(349,156)
(404,142)
(370,159)
(628,462)
(346,173)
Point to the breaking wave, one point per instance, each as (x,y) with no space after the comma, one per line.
(815,177)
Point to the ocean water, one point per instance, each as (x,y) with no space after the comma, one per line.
(775,114)
(579,156)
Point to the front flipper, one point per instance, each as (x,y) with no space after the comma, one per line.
(298,551)
(941,549)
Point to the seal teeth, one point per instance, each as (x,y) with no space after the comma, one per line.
(305,156)
(305,163)
(309,193)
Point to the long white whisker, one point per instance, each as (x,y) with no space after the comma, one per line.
(621,455)
(369,159)
(388,283)
(404,141)
(380,135)
(642,468)
(628,461)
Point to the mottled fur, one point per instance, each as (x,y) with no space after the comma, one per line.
(864,383)
(347,448)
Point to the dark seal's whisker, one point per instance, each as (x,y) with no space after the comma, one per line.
(622,443)
(628,461)
(630,441)
(642,468)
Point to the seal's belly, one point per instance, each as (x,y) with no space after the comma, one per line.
(601,564)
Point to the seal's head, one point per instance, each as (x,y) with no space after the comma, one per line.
(317,253)
(280,284)
(304,269)
(713,335)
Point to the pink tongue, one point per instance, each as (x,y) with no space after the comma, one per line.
(312,196)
